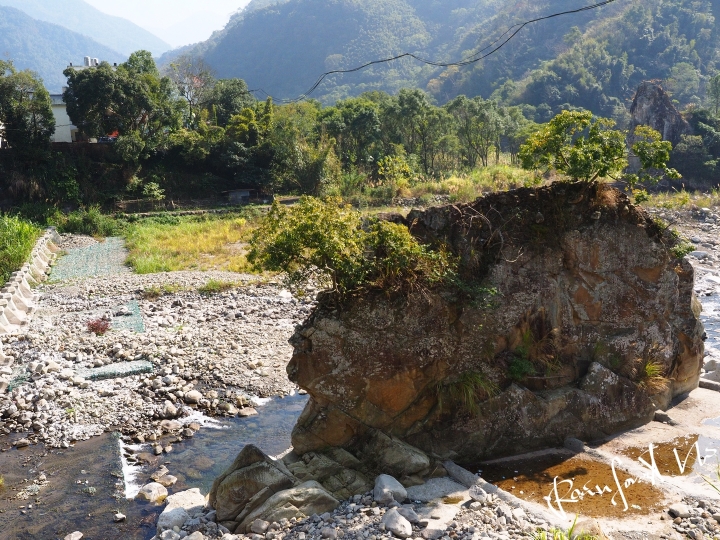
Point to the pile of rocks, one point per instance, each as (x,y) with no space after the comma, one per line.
(213,352)
(387,511)
(695,518)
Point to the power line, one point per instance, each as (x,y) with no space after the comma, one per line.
(495,46)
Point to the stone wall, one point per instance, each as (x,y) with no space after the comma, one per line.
(594,327)
(17,299)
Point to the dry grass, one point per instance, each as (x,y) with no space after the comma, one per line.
(197,244)
(675,200)
(466,188)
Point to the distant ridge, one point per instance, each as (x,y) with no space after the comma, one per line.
(593,60)
(46,48)
(114,32)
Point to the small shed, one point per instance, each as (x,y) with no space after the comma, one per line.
(242,195)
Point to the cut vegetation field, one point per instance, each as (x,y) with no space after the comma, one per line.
(194,243)
(189,243)
(17,239)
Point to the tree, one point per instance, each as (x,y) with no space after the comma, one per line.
(713,92)
(228,98)
(25,112)
(194,81)
(479,127)
(586,148)
(129,99)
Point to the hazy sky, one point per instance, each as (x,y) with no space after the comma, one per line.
(179,22)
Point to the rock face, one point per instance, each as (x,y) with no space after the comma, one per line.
(652,107)
(257,488)
(593,328)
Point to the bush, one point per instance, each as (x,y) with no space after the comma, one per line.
(330,241)
(98,327)
(90,221)
(215,286)
(17,239)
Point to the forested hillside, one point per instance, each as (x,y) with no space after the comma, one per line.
(114,32)
(46,48)
(593,59)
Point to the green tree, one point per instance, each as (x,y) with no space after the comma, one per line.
(326,239)
(586,148)
(479,127)
(228,98)
(713,92)
(130,99)
(25,112)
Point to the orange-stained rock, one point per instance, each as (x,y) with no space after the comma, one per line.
(588,298)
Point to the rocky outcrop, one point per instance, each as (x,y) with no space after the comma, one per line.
(258,487)
(652,107)
(572,317)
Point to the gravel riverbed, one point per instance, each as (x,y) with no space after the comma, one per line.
(220,353)
(217,353)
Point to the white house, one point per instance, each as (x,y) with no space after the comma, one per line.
(65,131)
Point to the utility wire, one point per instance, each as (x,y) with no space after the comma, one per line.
(494,47)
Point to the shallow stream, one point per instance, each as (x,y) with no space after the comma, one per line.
(86,485)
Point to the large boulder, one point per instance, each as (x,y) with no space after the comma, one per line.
(299,502)
(652,107)
(592,328)
(251,479)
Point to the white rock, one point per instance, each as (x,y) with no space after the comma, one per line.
(679,510)
(179,507)
(397,524)
(388,489)
(153,492)
(77,535)
(259,526)
(192,397)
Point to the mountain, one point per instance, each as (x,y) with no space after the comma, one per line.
(196,27)
(46,48)
(114,32)
(592,59)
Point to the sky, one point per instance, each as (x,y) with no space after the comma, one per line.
(178,22)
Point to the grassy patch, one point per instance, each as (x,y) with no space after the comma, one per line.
(90,221)
(675,200)
(192,243)
(155,292)
(215,286)
(17,239)
(468,187)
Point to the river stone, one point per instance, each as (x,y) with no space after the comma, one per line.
(397,524)
(388,489)
(192,397)
(180,507)
(252,478)
(393,456)
(259,526)
(342,480)
(152,492)
(77,535)
(679,510)
(247,411)
(589,528)
(409,514)
(299,502)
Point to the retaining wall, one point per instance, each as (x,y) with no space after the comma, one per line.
(18,301)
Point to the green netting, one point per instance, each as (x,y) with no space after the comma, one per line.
(102,259)
(113,371)
(19,377)
(133,322)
